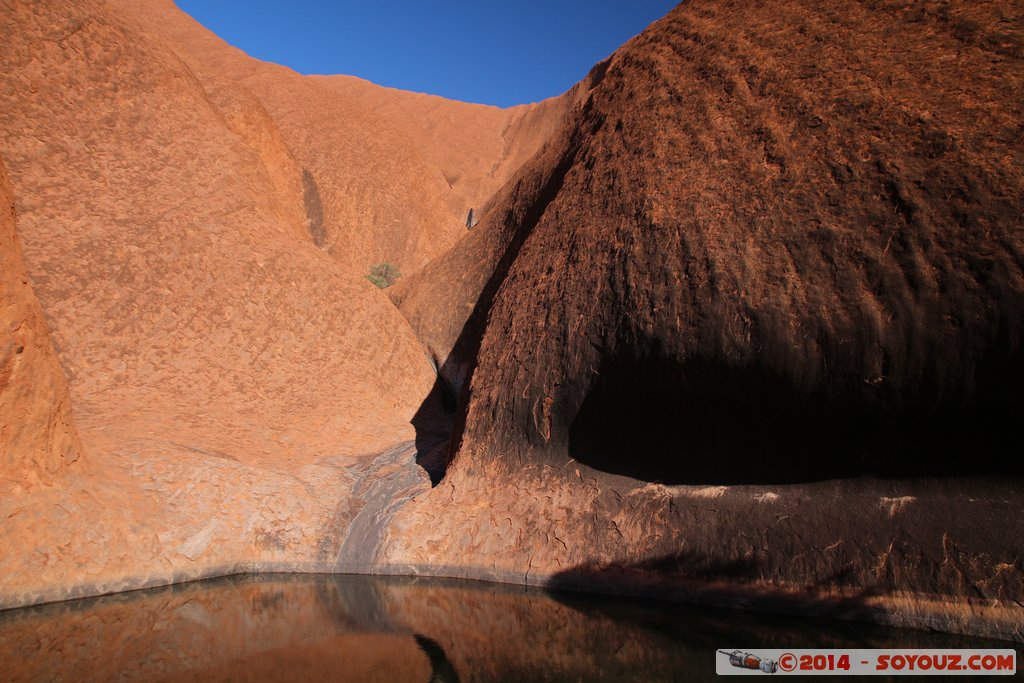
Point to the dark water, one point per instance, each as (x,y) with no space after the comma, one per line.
(350,628)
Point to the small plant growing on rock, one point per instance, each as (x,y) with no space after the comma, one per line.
(383,274)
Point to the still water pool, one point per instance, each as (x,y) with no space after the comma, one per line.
(366,629)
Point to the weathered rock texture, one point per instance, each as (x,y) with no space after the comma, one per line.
(38,440)
(185,310)
(230,380)
(775,243)
(396,172)
(741,321)
(197,226)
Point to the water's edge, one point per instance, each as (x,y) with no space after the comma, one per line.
(388,481)
(916,612)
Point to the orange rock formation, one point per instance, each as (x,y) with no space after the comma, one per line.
(200,260)
(38,440)
(774,250)
(759,254)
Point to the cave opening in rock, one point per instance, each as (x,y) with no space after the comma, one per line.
(704,422)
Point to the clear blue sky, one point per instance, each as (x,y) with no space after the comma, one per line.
(502,53)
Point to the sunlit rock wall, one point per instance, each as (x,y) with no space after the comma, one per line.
(38,440)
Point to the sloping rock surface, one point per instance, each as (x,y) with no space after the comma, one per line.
(38,439)
(395,173)
(197,225)
(186,309)
(230,380)
(776,248)
(740,323)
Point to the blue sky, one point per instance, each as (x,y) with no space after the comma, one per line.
(501,53)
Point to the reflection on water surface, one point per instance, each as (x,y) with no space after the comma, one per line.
(356,628)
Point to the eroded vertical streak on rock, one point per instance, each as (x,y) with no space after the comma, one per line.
(314,209)
(384,485)
(38,439)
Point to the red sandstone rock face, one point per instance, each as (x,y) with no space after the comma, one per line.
(775,244)
(187,306)
(232,383)
(394,173)
(38,440)
(759,252)
(244,392)
(439,299)
(737,220)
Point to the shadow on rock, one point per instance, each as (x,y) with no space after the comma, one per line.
(701,422)
(699,579)
(433,425)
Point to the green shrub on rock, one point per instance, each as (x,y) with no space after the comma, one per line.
(383,274)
